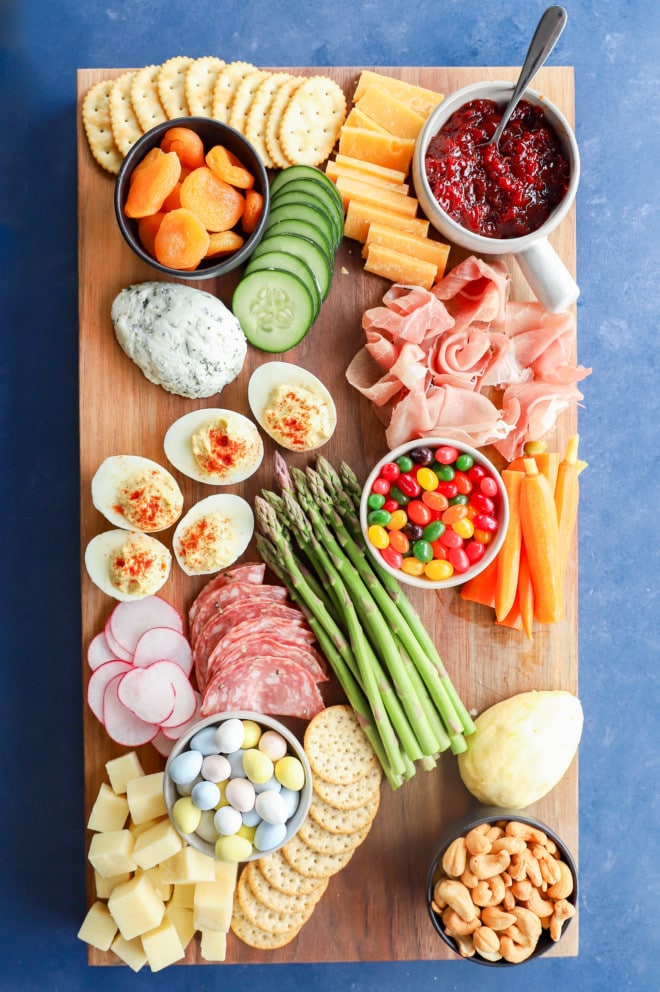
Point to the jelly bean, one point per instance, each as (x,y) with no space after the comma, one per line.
(413,531)
(483,536)
(240,793)
(391,557)
(422,456)
(186,815)
(464,462)
(185,768)
(215,768)
(476,474)
(453,513)
(439,550)
(390,505)
(422,551)
(233,849)
(435,500)
(463,484)
(399,542)
(450,539)
(268,836)
(427,479)
(257,766)
(482,503)
(459,559)
(488,486)
(411,566)
(438,570)
(229,736)
(459,499)
(204,741)
(475,551)
(290,772)
(419,512)
(463,527)
(405,463)
(271,807)
(433,531)
(445,473)
(380,486)
(409,485)
(375,501)
(446,454)
(399,496)
(227,821)
(273,744)
(205,795)
(448,489)
(483,521)
(378,537)
(379,518)
(390,471)
(398,521)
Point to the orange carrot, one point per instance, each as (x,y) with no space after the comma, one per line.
(513,618)
(181,241)
(228,167)
(187,144)
(218,205)
(509,554)
(254,203)
(548,465)
(151,181)
(540,533)
(525,594)
(481,589)
(567,497)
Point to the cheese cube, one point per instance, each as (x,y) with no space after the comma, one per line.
(214,902)
(136,907)
(121,770)
(109,811)
(183,894)
(104,886)
(145,797)
(156,844)
(98,928)
(213,945)
(130,952)
(334,170)
(182,918)
(162,945)
(188,865)
(164,889)
(358,118)
(111,852)
(139,828)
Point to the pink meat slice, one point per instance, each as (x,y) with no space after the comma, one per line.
(532,408)
(275,687)
(544,342)
(463,415)
(475,290)
(251,571)
(275,646)
(230,593)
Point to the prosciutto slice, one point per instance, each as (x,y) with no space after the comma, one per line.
(532,409)
(463,415)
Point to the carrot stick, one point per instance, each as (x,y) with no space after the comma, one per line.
(509,555)
(548,465)
(540,532)
(513,618)
(567,496)
(525,594)
(481,589)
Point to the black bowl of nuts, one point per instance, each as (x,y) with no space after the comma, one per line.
(501,888)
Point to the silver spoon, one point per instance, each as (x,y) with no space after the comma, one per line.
(546,36)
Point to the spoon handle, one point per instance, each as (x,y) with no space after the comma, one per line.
(546,36)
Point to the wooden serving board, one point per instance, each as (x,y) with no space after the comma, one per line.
(375,909)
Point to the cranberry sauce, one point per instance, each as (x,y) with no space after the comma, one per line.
(497,192)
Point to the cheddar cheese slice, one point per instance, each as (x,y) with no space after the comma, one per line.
(417,98)
(372,168)
(334,170)
(392,114)
(409,244)
(357,118)
(355,189)
(360,215)
(372,146)
(400,268)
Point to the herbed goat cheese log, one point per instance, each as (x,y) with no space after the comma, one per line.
(182,338)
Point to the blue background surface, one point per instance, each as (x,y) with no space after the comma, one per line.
(614,48)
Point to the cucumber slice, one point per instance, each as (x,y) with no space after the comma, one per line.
(274,308)
(292,225)
(311,198)
(308,173)
(308,212)
(304,248)
(290,263)
(332,201)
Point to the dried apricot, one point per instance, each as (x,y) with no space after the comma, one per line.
(181,241)
(218,205)
(228,167)
(152,180)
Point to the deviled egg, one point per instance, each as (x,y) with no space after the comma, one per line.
(136,493)
(127,564)
(292,406)
(215,446)
(213,534)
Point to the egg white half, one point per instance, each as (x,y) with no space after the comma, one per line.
(271,375)
(178,447)
(111,476)
(102,548)
(236,509)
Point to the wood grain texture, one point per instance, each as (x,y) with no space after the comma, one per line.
(374,910)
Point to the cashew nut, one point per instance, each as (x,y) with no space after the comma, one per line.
(495,833)
(563,911)
(487,865)
(458,897)
(454,859)
(541,907)
(476,842)
(469,880)
(482,894)
(486,942)
(527,928)
(456,926)
(514,845)
(564,887)
(497,918)
(513,953)
(465,946)
(497,885)
(526,832)
(522,889)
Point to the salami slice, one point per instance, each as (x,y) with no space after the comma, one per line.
(252,571)
(230,593)
(276,687)
(274,647)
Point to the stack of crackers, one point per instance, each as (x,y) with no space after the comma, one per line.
(277,894)
(290,119)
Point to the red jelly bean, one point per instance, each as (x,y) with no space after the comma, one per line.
(448,489)
(476,474)
(445,454)
(439,550)
(450,539)
(409,485)
(381,486)
(459,559)
(488,486)
(419,512)
(390,471)
(483,521)
(475,551)
(391,556)
(482,503)
(390,505)
(462,483)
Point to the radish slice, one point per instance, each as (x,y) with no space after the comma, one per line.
(113,645)
(148,692)
(130,620)
(173,733)
(99,652)
(163,744)
(163,643)
(185,705)
(121,725)
(98,681)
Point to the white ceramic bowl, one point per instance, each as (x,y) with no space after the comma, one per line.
(545,272)
(171,792)
(502,510)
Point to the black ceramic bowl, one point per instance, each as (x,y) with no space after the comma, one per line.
(491,814)
(212,133)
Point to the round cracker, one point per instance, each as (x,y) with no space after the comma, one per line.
(145,99)
(274,119)
(171,82)
(125,125)
(256,121)
(312,120)
(312,863)
(280,874)
(322,841)
(266,918)
(343,821)
(255,936)
(228,81)
(269,896)
(201,77)
(352,795)
(95,112)
(243,97)
(336,746)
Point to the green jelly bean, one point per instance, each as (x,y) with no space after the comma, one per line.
(464,462)
(401,498)
(461,499)
(375,501)
(433,530)
(405,463)
(379,517)
(445,473)
(422,550)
